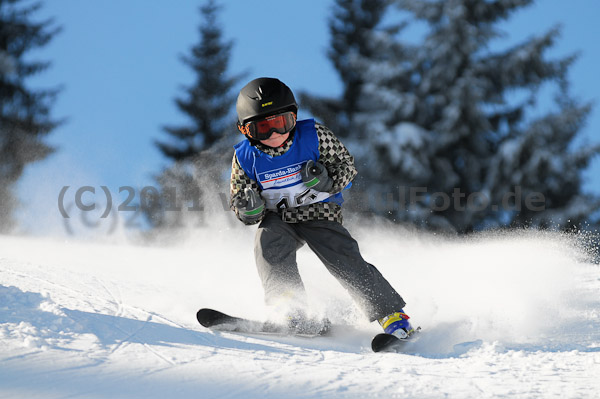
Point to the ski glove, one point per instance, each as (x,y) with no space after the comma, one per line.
(314,175)
(250,206)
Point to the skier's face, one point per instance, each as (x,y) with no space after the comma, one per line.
(275,140)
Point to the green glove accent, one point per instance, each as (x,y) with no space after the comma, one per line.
(315,176)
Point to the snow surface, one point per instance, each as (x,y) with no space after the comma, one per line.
(508,315)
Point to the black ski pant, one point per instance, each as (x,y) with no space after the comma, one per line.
(275,251)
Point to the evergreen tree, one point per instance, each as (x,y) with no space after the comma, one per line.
(356,30)
(208,101)
(455,126)
(201,149)
(24,113)
(362,46)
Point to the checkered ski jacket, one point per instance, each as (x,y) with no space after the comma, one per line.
(332,153)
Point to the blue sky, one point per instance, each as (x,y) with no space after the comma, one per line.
(119,63)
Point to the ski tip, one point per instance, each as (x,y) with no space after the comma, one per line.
(388,343)
(382,342)
(200,316)
(207,317)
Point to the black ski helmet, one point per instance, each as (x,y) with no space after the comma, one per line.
(263,97)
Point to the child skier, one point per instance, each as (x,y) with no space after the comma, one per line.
(288,175)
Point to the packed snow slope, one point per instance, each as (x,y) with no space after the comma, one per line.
(507,315)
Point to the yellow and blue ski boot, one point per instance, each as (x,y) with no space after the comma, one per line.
(397,324)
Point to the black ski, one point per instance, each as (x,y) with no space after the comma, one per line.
(220,321)
(390,343)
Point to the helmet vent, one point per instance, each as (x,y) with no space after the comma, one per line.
(259,94)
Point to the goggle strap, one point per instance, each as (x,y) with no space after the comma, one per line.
(243,129)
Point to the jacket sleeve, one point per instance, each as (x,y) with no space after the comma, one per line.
(336,158)
(238,183)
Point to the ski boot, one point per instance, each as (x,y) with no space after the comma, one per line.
(397,324)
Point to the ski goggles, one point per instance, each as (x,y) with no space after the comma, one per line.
(263,128)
